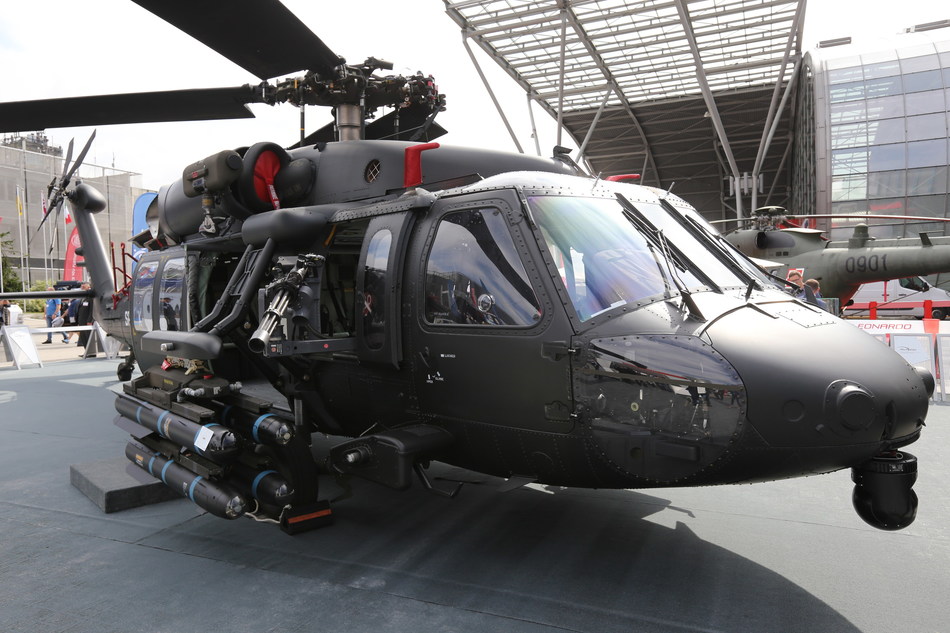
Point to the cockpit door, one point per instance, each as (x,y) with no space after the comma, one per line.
(378,288)
(485,327)
(158,297)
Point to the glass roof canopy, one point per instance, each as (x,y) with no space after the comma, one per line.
(587,56)
(636,46)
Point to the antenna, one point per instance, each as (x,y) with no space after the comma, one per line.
(668,190)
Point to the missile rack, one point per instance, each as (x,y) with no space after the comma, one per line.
(229,452)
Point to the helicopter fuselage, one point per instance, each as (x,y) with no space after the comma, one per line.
(492,312)
(531,324)
(841,266)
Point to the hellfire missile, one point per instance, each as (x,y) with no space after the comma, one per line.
(267,486)
(210,440)
(266,428)
(217,498)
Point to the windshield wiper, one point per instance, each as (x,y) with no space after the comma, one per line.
(721,248)
(674,259)
(688,300)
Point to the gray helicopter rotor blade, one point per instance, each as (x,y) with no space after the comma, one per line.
(82,155)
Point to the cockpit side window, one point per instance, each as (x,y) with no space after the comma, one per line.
(474,275)
(374,296)
(170,312)
(142,296)
(914,283)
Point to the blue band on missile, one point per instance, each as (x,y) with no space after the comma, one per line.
(150,462)
(164,468)
(191,488)
(138,415)
(257,423)
(258,479)
(158,424)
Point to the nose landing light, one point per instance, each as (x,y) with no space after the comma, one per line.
(850,408)
(855,407)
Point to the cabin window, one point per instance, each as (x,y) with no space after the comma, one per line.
(339,279)
(374,289)
(170,294)
(142,296)
(474,275)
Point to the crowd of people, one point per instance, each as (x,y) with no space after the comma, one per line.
(63,313)
(810,295)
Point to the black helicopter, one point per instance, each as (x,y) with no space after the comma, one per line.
(500,312)
(841,266)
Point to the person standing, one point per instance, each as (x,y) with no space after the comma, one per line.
(84,317)
(168,311)
(72,315)
(816,289)
(52,311)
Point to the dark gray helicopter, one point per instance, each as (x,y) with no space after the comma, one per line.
(841,266)
(503,313)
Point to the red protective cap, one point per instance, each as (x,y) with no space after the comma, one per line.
(412,171)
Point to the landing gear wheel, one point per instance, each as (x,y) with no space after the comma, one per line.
(124,371)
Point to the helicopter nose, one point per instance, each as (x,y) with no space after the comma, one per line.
(928,379)
(816,381)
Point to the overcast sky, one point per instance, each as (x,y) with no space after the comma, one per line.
(59,48)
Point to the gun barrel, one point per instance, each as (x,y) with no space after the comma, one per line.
(261,336)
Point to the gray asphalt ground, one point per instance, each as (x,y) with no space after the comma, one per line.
(784,556)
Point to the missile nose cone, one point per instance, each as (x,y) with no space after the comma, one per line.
(284,491)
(229,441)
(235,507)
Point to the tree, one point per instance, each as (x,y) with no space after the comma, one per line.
(11,279)
(37,305)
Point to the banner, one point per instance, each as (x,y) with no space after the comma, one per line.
(72,271)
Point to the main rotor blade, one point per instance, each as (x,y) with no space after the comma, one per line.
(871,216)
(261,36)
(51,210)
(82,156)
(142,107)
(69,157)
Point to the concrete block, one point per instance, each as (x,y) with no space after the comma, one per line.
(111,487)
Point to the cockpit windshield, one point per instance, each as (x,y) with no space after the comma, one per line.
(611,252)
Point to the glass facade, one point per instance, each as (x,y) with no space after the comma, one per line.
(804,168)
(881,146)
